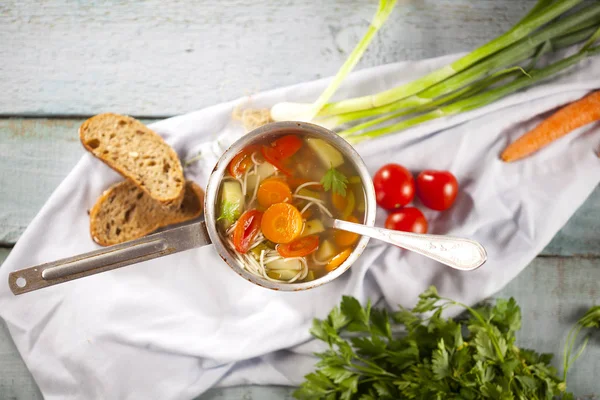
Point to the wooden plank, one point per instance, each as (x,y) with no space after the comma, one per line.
(581,234)
(552,293)
(249,393)
(157,58)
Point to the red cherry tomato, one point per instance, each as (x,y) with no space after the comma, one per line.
(409,219)
(281,150)
(287,146)
(242,161)
(299,247)
(248,226)
(394,186)
(272,156)
(437,189)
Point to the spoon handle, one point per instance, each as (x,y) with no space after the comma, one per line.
(458,253)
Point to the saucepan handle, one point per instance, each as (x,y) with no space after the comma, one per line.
(146,248)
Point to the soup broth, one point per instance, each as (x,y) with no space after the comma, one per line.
(273,199)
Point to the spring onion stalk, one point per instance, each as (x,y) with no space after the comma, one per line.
(306,112)
(546,12)
(464,92)
(482,99)
(518,52)
(539,6)
(592,39)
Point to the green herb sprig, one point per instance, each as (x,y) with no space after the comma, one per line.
(336,181)
(434,357)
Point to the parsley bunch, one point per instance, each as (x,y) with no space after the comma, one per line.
(434,357)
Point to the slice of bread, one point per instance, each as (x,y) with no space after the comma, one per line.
(125,212)
(136,152)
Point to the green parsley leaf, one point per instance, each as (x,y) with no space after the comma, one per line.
(336,181)
(591,318)
(507,315)
(338,318)
(440,364)
(336,374)
(381,323)
(485,348)
(229,212)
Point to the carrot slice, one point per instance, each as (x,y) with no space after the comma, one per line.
(273,191)
(307,214)
(281,223)
(338,259)
(575,115)
(344,238)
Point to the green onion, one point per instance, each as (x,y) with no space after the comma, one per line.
(451,87)
(542,13)
(592,39)
(306,112)
(481,99)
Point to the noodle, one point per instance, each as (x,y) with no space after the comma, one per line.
(315,183)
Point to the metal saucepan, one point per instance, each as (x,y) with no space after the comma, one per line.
(459,253)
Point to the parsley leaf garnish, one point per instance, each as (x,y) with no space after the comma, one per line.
(373,353)
(229,212)
(335,180)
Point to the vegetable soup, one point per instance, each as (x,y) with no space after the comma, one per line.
(272,203)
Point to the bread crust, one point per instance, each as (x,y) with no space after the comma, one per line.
(124,212)
(137,153)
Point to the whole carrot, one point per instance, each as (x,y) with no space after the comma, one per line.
(575,115)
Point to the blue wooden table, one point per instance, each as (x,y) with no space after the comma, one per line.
(63,61)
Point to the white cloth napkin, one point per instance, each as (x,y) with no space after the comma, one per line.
(173,327)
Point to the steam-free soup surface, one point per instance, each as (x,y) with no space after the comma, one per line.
(272,202)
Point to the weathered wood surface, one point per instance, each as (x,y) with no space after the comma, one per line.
(157,58)
(36,155)
(552,293)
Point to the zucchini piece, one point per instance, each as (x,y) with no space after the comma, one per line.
(258,249)
(350,203)
(329,155)
(355,180)
(284,264)
(325,251)
(282,274)
(263,171)
(312,227)
(310,276)
(309,193)
(359,197)
(232,202)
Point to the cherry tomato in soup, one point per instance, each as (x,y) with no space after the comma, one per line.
(437,189)
(281,150)
(409,219)
(242,161)
(246,229)
(299,247)
(272,156)
(287,146)
(394,186)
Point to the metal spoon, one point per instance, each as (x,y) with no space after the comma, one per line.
(458,253)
